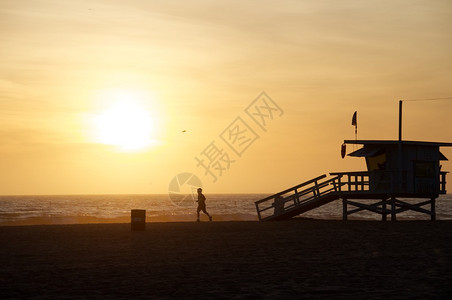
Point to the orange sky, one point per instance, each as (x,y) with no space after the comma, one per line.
(196,66)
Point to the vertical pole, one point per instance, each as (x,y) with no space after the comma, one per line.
(443,182)
(344,209)
(383,210)
(258,211)
(432,210)
(296,199)
(399,177)
(400,120)
(393,209)
(356,132)
(316,191)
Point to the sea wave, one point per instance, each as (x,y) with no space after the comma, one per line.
(81,209)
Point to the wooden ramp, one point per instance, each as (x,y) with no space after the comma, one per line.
(298,199)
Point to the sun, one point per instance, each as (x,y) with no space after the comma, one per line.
(125,123)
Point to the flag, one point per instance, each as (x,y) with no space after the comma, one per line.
(355,120)
(343,150)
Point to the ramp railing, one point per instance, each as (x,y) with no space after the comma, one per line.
(294,197)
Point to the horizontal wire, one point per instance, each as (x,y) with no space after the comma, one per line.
(428,99)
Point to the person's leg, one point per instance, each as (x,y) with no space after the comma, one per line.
(197,213)
(205,211)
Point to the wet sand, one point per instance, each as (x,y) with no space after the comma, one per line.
(300,258)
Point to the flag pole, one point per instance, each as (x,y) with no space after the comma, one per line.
(356,136)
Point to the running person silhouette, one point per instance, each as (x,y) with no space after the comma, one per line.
(202,205)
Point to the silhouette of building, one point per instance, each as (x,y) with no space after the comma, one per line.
(396,170)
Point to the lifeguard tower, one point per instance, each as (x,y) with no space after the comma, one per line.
(396,171)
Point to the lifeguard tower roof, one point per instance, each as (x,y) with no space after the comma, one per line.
(396,142)
(374,148)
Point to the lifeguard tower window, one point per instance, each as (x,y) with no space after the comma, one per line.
(424,177)
(377,162)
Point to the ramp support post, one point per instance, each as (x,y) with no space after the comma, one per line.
(344,209)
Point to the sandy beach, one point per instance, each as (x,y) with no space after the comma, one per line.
(300,258)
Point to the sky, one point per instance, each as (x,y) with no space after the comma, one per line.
(80,81)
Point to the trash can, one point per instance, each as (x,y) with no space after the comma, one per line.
(138,219)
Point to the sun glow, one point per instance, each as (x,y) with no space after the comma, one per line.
(126,123)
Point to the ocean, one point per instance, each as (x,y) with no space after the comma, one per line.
(78,209)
